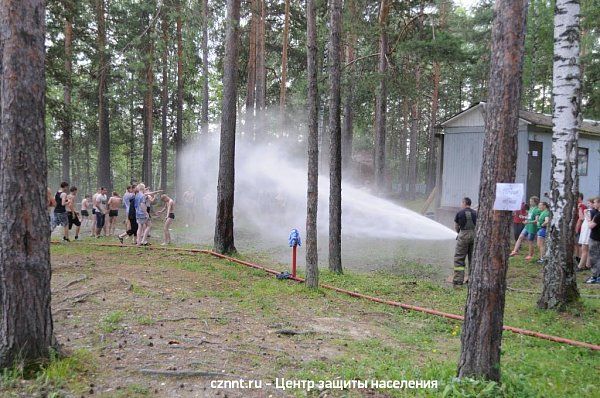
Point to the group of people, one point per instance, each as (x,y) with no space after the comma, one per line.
(137,202)
(531,224)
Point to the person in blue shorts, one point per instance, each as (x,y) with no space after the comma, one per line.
(542,224)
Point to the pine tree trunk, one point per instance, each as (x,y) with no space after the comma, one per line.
(164,103)
(147,175)
(261,71)
(403,177)
(68,118)
(131,138)
(104,177)
(251,68)
(205,66)
(381,99)
(284,57)
(482,330)
(348,113)
(435,99)
(335,144)
(560,283)
(312,260)
(179,121)
(26,330)
(224,242)
(414,137)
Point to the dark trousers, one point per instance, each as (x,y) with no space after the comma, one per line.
(464,250)
(133,227)
(100,218)
(595,257)
(517,229)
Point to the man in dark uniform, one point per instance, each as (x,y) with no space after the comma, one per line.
(464,223)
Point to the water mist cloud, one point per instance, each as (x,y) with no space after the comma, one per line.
(270,192)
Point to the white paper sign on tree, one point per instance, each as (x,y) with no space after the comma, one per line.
(508,196)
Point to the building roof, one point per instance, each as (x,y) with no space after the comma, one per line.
(590,127)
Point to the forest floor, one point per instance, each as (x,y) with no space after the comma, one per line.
(138,322)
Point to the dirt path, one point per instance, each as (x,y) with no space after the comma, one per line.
(164,331)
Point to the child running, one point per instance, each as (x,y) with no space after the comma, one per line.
(530,231)
(169,208)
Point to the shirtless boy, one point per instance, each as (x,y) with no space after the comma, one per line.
(72,215)
(114,203)
(85,210)
(169,210)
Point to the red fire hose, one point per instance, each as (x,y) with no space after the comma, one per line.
(525,332)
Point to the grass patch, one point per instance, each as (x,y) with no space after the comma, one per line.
(59,377)
(402,345)
(110,322)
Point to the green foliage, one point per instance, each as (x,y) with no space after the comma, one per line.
(471,388)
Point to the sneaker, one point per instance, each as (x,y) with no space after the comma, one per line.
(593,280)
(540,261)
(76,237)
(120,239)
(66,239)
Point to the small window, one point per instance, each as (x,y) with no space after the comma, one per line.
(582,161)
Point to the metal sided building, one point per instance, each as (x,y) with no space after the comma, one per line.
(461,150)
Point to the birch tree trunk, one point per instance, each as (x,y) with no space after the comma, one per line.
(26,330)
(312,260)
(224,242)
(482,329)
(560,284)
(335,145)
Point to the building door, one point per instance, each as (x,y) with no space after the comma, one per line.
(534,169)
